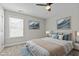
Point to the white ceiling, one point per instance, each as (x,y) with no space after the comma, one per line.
(28,8)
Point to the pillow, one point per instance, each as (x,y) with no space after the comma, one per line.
(66,37)
(60,37)
(55,35)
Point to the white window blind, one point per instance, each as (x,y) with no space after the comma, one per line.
(15,27)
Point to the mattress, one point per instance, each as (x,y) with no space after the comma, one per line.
(49,47)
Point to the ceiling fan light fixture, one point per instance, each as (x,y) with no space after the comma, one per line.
(47,7)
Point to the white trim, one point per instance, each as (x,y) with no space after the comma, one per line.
(8,45)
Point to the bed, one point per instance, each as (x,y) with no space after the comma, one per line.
(48,46)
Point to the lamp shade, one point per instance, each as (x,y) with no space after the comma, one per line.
(77,33)
(47,32)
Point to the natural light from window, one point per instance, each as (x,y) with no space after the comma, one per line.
(15,27)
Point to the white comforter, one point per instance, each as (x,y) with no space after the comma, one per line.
(39,51)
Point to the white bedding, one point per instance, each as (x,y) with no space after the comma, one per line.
(39,51)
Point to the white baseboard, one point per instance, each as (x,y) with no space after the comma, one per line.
(8,45)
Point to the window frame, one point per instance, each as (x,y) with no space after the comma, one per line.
(17,36)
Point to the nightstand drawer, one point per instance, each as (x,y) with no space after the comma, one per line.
(76,46)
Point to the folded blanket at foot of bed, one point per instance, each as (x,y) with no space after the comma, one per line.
(25,52)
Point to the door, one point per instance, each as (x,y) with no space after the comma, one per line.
(1,30)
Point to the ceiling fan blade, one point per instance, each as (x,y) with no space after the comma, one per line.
(49,4)
(41,4)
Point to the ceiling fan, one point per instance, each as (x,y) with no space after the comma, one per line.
(47,6)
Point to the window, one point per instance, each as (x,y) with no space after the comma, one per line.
(15,27)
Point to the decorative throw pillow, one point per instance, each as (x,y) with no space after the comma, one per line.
(66,37)
(55,35)
(60,37)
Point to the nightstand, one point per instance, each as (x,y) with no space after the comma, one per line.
(76,45)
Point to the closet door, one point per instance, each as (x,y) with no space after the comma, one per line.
(1,29)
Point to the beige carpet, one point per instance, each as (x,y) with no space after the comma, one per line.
(12,51)
(16,51)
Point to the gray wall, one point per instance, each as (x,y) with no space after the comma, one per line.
(61,11)
(28,34)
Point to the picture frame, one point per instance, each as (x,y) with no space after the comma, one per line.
(64,23)
(34,24)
